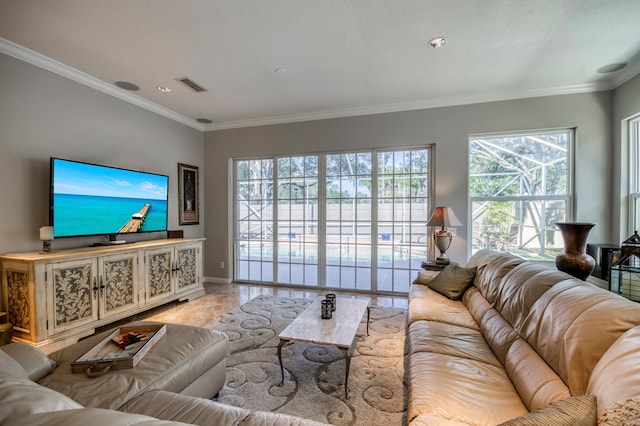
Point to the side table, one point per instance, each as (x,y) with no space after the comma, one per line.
(433,266)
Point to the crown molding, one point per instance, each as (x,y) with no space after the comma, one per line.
(59,68)
(34,58)
(625,75)
(412,105)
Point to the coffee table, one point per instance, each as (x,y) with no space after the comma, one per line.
(339,330)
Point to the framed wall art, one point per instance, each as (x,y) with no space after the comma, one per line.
(188,195)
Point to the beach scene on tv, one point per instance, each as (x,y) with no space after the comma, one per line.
(92,200)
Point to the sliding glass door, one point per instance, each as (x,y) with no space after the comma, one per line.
(353,221)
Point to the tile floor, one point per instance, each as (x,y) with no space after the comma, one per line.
(222,298)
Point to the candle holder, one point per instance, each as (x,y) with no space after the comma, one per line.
(332,298)
(326,309)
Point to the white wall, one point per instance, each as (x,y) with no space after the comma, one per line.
(449,129)
(44,115)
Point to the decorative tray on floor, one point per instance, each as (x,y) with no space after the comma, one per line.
(110,352)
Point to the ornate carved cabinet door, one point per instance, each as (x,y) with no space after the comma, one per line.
(19,298)
(118,283)
(188,273)
(159,264)
(73,293)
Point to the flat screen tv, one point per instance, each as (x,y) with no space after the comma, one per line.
(90,199)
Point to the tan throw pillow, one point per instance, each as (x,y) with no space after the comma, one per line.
(625,412)
(574,411)
(452,281)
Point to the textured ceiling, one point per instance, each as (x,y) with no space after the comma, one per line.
(343,57)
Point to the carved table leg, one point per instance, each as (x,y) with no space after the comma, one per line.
(347,359)
(282,342)
(368,314)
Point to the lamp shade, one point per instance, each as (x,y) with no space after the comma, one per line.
(443,217)
(46,233)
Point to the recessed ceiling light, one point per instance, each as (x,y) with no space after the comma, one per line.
(164,89)
(611,68)
(280,70)
(127,86)
(437,42)
(204,120)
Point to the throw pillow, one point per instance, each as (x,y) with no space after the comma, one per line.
(452,281)
(35,363)
(626,412)
(9,367)
(574,411)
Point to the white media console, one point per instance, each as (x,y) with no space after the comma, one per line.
(53,299)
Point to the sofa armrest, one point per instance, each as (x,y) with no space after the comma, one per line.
(171,406)
(265,418)
(90,416)
(424,277)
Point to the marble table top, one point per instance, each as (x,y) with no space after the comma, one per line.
(339,330)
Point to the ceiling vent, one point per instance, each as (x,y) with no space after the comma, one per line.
(191,84)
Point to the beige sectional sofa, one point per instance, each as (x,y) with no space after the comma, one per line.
(171,385)
(522,338)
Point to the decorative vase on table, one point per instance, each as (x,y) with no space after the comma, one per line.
(575,260)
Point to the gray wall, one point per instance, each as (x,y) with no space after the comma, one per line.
(44,115)
(626,104)
(447,128)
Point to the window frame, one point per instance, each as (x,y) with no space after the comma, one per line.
(418,246)
(634,173)
(568,198)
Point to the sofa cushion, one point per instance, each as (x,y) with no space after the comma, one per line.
(449,339)
(35,363)
(574,411)
(492,268)
(427,304)
(452,281)
(20,397)
(460,389)
(537,384)
(618,365)
(180,357)
(90,416)
(427,419)
(522,287)
(562,324)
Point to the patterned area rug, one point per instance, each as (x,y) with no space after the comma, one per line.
(314,375)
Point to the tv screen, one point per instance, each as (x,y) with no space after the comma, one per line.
(90,199)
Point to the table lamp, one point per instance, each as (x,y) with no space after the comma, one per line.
(46,235)
(443,217)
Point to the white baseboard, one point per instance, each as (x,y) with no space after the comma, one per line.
(217,280)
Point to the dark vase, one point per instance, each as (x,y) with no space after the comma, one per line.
(574,260)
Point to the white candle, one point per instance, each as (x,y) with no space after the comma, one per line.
(46,233)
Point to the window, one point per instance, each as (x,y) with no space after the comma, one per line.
(353,221)
(519,186)
(634,175)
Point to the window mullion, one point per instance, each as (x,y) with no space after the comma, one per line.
(274,214)
(374,220)
(322,221)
